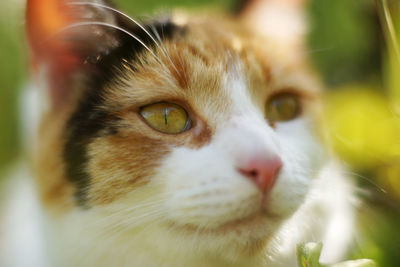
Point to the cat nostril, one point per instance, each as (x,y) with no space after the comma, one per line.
(263,172)
(251,174)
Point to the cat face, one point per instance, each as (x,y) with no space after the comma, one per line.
(192,131)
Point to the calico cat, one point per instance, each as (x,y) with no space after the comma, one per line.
(186,140)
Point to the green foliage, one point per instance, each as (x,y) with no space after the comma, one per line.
(12,70)
(379,233)
(148,6)
(308,256)
(344,40)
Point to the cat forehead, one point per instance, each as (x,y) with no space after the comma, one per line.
(202,62)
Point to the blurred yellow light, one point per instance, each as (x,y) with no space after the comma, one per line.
(361,126)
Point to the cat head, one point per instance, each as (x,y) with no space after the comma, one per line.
(195,131)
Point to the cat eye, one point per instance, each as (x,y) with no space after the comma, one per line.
(282,107)
(166,117)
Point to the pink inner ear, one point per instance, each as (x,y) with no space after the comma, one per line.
(283,23)
(252,3)
(264,15)
(45,18)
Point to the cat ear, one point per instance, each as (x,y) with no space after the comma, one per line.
(283,22)
(64,35)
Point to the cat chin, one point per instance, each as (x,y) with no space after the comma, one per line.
(234,242)
(252,226)
(230,244)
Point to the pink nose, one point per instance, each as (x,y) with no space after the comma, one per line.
(263,172)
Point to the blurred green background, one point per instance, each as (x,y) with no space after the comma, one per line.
(355,53)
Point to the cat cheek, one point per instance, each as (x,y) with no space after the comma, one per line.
(119,166)
(204,188)
(303,159)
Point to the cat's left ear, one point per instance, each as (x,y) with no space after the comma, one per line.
(64,35)
(283,22)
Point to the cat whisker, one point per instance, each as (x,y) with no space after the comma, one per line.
(97,23)
(135,222)
(127,211)
(390,30)
(104,241)
(369,180)
(120,13)
(132,20)
(110,236)
(155,32)
(144,225)
(180,62)
(173,64)
(130,223)
(135,208)
(157,36)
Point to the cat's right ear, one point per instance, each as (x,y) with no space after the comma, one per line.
(66,37)
(282,22)
(265,15)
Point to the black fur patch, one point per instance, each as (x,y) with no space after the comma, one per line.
(90,121)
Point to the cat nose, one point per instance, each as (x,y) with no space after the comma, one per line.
(262,171)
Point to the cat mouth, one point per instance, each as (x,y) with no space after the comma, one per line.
(256,222)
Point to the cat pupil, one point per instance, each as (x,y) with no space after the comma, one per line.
(165,116)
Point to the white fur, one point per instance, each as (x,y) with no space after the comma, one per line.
(21,237)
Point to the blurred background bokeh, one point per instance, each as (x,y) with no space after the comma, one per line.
(354,46)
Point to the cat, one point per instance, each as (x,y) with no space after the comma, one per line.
(185,140)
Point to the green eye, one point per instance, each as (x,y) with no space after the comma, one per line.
(282,107)
(165,117)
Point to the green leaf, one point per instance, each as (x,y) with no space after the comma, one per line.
(356,263)
(308,256)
